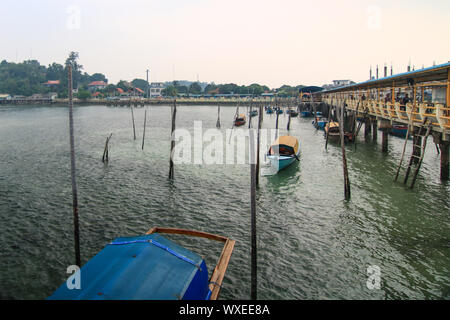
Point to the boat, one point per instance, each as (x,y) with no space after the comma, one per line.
(253,113)
(399,130)
(240,120)
(283,152)
(279,111)
(293,113)
(269,110)
(334,135)
(149,267)
(320,123)
(306,113)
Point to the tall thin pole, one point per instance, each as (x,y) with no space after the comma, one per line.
(172,143)
(143,135)
(253,253)
(76,228)
(132,118)
(260,118)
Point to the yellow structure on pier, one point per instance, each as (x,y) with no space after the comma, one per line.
(405,98)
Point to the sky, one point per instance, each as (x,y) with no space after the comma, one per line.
(235,41)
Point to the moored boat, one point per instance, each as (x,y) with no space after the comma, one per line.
(320,123)
(293,113)
(253,113)
(269,110)
(149,267)
(240,120)
(283,152)
(399,130)
(333,132)
(306,113)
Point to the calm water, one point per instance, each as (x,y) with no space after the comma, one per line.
(311,243)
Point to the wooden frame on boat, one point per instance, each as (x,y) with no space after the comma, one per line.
(215,282)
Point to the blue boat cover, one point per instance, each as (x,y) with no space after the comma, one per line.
(148,267)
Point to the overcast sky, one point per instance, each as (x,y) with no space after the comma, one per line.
(240,41)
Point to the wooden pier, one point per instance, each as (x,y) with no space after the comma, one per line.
(419,99)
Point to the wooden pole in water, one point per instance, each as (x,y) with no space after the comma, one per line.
(253,252)
(328,124)
(145,122)
(218,117)
(260,119)
(106,151)
(76,228)
(344,159)
(172,143)
(132,117)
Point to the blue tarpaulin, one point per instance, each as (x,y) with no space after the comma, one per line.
(148,267)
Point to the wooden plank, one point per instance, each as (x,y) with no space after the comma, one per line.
(192,233)
(220,269)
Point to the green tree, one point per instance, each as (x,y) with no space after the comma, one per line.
(195,88)
(169,91)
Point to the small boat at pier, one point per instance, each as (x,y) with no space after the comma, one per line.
(253,113)
(269,110)
(283,152)
(149,267)
(240,120)
(306,113)
(319,123)
(399,130)
(293,113)
(332,129)
(279,110)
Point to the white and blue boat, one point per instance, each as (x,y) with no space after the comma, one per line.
(283,152)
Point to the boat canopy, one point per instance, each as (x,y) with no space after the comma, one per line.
(241,116)
(148,267)
(284,145)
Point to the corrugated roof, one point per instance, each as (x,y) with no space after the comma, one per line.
(403,75)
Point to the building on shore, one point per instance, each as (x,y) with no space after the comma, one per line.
(53,84)
(4,97)
(97,85)
(156,88)
(337,84)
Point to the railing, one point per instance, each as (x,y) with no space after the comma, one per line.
(436,113)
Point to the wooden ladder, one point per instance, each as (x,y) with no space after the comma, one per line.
(415,160)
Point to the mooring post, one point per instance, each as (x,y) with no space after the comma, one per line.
(218,117)
(344,158)
(253,253)
(384,141)
(105,157)
(145,122)
(172,140)
(260,119)
(132,118)
(76,228)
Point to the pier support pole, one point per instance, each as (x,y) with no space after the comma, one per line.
(384,141)
(367,128)
(374,130)
(444,146)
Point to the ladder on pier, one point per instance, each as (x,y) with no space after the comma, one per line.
(416,159)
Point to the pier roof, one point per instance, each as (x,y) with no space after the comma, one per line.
(435,73)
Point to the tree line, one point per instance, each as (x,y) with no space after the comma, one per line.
(27,78)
